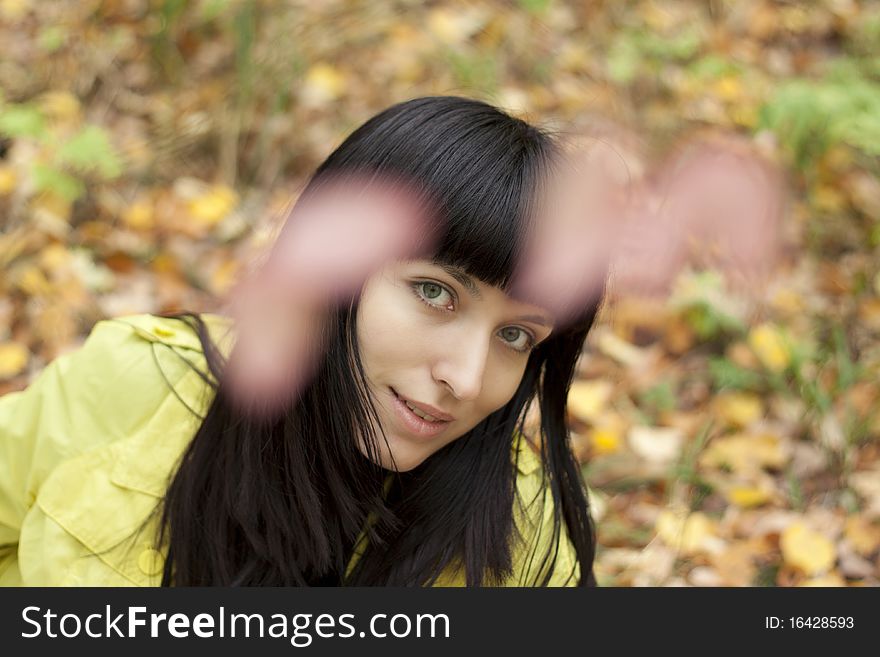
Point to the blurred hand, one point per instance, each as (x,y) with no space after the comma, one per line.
(336,237)
(714,202)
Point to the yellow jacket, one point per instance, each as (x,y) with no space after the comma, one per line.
(88,449)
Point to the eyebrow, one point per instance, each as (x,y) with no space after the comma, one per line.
(461,276)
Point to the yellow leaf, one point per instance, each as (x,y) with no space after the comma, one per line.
(863,535)
(139,215)
(869,310)
(829,199)
(13,358)
(443,25)
(54,257)
(33,282)
(771,348)
(587,399)
(323,84)
(51,208)
(14,9)
(739,409)
(788,301)
(748,496)
(831,579)
(688,533)
(745,115)
(745,453)
(61,105)
(8,179)
(728,88)
(213,205)
(806,549)
(606,440)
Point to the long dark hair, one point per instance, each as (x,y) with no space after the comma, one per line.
(282,500)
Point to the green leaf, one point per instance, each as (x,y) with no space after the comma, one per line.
(49,179)
(22,121)
(52,38)
(660,397)
(211,9)
(535,6)
(726,374)
(478,71)
(624,60)
(90,150)
(810,116)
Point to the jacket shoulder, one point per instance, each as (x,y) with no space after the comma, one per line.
(99,434)
(175,331)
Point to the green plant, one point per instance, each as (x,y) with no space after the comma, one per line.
(810,116)
(726,374)
(67,161)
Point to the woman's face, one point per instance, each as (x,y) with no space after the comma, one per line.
(446,343)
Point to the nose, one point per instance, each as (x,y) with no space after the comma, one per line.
(462,365)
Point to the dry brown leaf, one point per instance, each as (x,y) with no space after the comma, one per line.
(863,535)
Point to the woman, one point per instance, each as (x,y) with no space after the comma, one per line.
(401,460)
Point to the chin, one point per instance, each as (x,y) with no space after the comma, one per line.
(406,458)
(402,463)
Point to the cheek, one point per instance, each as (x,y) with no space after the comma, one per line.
(389,333)
(501,382)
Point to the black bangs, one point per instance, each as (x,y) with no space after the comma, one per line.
(482,168)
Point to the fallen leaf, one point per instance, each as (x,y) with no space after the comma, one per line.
(13,359)
(605,440)
(705,576)
(139,215)
(863,535)
(61,105)
(771,348)
(739,409)
(656,444)
(620,350)
(587,399)
(807,550)
(323,84)
(735,564)
(831,579)
(213,205)
(8,180)
(745,453)
(688,533)
(851,564)
(749,496)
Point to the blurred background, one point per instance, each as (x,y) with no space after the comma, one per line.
(149,147)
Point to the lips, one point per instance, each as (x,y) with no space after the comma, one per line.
(421,409)
(412,422)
